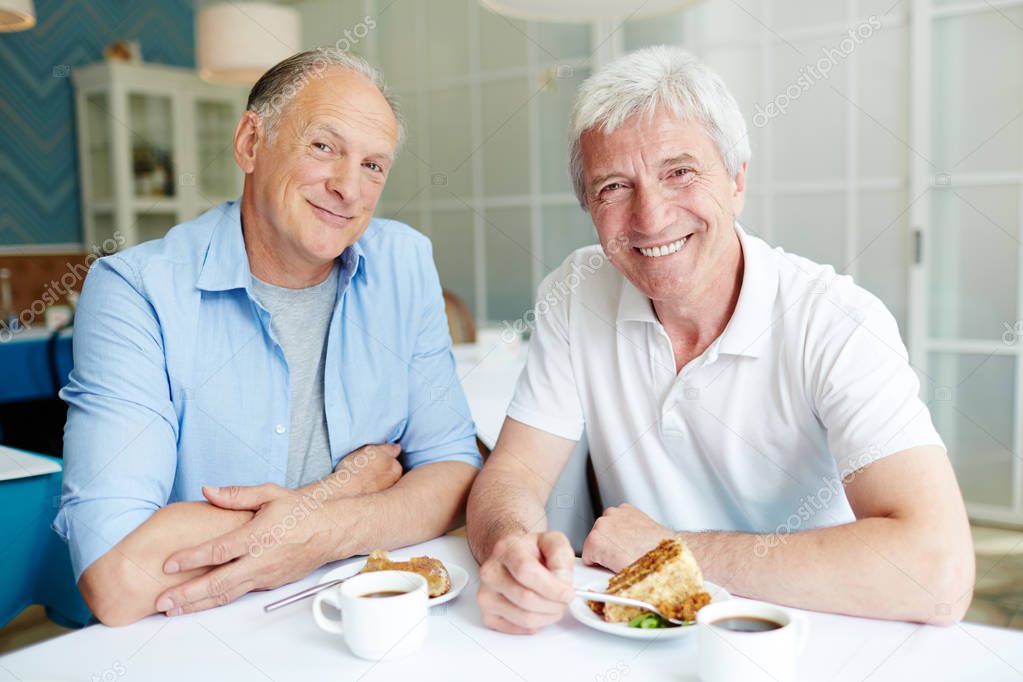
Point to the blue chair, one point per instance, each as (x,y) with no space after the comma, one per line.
(35,566)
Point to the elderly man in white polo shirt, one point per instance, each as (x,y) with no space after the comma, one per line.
(752,402)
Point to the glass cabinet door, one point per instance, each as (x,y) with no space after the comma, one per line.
(152,145)
(98,162)
(218,175)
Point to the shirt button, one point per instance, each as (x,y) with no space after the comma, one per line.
(280,428)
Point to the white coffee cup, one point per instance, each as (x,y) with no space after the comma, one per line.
(378,628)
(727,655)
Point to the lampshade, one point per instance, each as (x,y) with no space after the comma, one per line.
(237,42)
(573,11)
(16,15)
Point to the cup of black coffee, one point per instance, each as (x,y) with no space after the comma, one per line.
(749,641)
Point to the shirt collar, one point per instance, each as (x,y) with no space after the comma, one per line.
(226,265)
(747,330)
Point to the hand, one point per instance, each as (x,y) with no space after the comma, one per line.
(526,583)
(288,537)
(622,535)
(369,469)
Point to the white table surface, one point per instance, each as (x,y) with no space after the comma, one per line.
(241,642)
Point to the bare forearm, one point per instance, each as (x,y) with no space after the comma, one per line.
(427,502)
(122,585)
(499,505)
(877,567)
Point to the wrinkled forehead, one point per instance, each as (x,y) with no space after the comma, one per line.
(342,100)
(657,135)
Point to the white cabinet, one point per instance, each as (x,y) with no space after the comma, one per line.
(154,149)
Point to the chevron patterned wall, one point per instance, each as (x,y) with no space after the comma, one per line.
(39,194)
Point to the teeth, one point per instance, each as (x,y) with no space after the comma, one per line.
(658,251)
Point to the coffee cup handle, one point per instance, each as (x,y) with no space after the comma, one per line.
(331,625)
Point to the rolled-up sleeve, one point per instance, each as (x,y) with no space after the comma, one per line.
(440,426)
(121,433)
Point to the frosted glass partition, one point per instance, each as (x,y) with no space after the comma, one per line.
(979,128)
(973,404)
(974,261)
(509,259)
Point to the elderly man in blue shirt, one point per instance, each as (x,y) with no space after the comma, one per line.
(248,390)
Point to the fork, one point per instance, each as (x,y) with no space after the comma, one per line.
(613,599)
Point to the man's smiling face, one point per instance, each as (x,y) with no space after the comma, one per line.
(318,181)
(657,187)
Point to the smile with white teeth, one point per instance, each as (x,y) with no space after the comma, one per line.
(664,249)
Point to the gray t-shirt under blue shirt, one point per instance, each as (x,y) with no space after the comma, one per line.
(299,320)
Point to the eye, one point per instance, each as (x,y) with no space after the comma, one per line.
(610,187)
(681,172)
(321,146)
(374,166)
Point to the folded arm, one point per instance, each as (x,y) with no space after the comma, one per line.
(292,534)
(124,584)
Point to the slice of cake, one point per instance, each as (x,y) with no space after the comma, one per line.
(438,581)
(667,577)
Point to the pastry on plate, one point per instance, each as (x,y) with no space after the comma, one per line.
(667,577)
(438,581)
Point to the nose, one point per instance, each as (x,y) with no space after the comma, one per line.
(344,181)
(651,210)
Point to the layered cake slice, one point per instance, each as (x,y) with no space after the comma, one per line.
(667,577)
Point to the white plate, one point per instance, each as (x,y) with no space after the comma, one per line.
(582,613)
(459,577)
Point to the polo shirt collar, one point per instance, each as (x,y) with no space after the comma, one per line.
(748,329)
(226,265)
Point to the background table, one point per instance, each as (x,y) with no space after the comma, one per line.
(240,641)
(25,361)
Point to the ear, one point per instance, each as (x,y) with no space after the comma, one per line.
(739,191)
(247,141)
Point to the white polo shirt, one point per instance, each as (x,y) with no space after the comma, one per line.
(808,382)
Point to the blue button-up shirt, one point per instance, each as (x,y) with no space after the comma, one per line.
(179,383)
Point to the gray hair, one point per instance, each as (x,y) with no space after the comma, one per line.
(276,88)
(638,83)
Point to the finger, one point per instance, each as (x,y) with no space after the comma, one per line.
(558,555)
(527,571)
(495,622)
(390,450)
(523,597)
(592,548)
(495,579)
(213,552)
(248,497)
(499,605)
(216,588)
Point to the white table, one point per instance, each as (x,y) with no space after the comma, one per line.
(241,642)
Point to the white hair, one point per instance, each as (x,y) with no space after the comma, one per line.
(640,82)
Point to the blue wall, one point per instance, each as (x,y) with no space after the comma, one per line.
(39,193)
